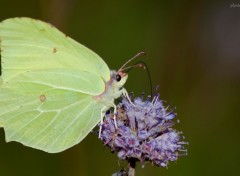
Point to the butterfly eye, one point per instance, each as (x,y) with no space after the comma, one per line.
(118,77)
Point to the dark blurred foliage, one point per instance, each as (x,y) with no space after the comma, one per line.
(193,54)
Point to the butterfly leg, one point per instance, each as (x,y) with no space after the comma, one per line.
(125,93)
(114,116)
(101,122)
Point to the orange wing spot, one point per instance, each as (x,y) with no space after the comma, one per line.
(42,98)
(54,50)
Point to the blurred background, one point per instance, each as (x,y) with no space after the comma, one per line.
(193,55)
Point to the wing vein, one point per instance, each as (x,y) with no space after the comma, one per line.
(51,122)
(67,127)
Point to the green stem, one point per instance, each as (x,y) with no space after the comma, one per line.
(131,167)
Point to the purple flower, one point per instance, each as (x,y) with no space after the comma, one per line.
(144,132)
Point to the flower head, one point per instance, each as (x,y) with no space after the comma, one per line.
(144,132)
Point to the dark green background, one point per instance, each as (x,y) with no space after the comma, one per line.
(193,54)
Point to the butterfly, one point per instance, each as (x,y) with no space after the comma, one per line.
(53,90)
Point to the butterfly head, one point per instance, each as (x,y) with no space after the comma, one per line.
(118,78)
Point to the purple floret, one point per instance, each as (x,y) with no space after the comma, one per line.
(144,132)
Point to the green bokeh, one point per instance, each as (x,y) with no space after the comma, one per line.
(193,54)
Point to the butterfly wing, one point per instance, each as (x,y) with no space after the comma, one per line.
(46,115)
(47,86)
(32,44)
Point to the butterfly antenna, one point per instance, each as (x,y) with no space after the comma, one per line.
(134,57)
(141,64)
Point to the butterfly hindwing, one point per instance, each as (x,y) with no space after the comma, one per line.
(44,115)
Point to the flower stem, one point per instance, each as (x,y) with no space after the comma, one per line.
(131,167)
